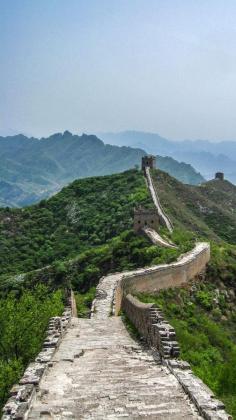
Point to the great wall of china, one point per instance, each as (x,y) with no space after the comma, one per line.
(93,369)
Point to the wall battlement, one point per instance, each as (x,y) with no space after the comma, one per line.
(150,323)
(148,161)
(145,218)
(220,176)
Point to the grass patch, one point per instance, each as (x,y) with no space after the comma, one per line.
(132,330)
(84,302)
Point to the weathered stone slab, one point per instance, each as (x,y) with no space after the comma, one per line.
(33,374)
(45,355)
(199,393)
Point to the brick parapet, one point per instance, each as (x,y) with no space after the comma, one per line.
(150,323)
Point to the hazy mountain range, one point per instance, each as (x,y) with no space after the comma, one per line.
(206,157)
(31,169)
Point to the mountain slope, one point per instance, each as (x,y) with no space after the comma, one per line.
(90,212)
(208,209)
(205,156)
(34,169)
(87,213)
(84,231)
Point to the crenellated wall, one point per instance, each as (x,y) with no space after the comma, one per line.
(150,323)
(159,334)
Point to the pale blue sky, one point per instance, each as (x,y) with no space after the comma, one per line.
(167,66)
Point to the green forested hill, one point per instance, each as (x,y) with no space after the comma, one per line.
(87,213)
(85,231)
(90,212)
(32,169)
(208,210)
(204,312)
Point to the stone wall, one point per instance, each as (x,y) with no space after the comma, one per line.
(22,394)
(145,217)
(148,161)
(164,276)
(165,220)
(204,399)
(150,323)
(160,335)
(156,238)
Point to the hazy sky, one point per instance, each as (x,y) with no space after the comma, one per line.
(167,66)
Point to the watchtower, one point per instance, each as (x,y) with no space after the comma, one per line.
(145,218)
(148,161)
(220,176)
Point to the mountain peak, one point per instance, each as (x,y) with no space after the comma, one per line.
(67,134)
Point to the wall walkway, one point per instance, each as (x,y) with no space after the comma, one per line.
(156,239)
(100,372)
(163,216)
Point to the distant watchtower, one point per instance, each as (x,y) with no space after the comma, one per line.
(148,161)
(219,176)
(145,218)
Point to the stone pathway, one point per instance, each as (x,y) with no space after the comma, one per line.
(156,239)
(100,372)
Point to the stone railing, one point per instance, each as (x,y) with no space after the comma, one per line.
(204,399)
(150,323)
(22,394)
(164,276)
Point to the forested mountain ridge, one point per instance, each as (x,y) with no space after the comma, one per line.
(92,211)
(32,169)
(86,231)
(206,157)
(208,210)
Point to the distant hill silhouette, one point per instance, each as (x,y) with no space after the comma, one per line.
(32,169)
(205,156)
